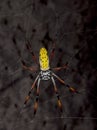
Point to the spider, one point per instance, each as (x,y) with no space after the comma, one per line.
(46,73)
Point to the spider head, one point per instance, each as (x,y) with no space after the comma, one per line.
(43,59)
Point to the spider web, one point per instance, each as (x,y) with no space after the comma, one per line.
(77,109)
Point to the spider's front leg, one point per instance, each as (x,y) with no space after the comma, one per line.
(29,93)
(62,81)
(37,97)
(56,91)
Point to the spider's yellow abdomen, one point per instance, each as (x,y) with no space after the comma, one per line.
(43,59)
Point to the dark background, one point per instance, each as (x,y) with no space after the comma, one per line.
(72,24)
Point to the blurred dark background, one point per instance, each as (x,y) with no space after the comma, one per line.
(72,25)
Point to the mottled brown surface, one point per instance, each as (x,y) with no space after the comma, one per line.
(73,26)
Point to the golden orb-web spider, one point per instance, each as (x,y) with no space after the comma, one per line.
(46,73)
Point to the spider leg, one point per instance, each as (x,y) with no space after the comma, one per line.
(52,52)
(60,68)
(57,94)
(37,97)
(28,45)
(29,93)
(34,68)
(62,81)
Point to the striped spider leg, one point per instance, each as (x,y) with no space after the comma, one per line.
(57,94)
(37,97)
(62,81)
(30,68)
(29,93)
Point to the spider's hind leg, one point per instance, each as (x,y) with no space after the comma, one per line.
(30,68)
(28,46)
(52,51)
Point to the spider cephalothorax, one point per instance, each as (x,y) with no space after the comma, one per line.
(45,75)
